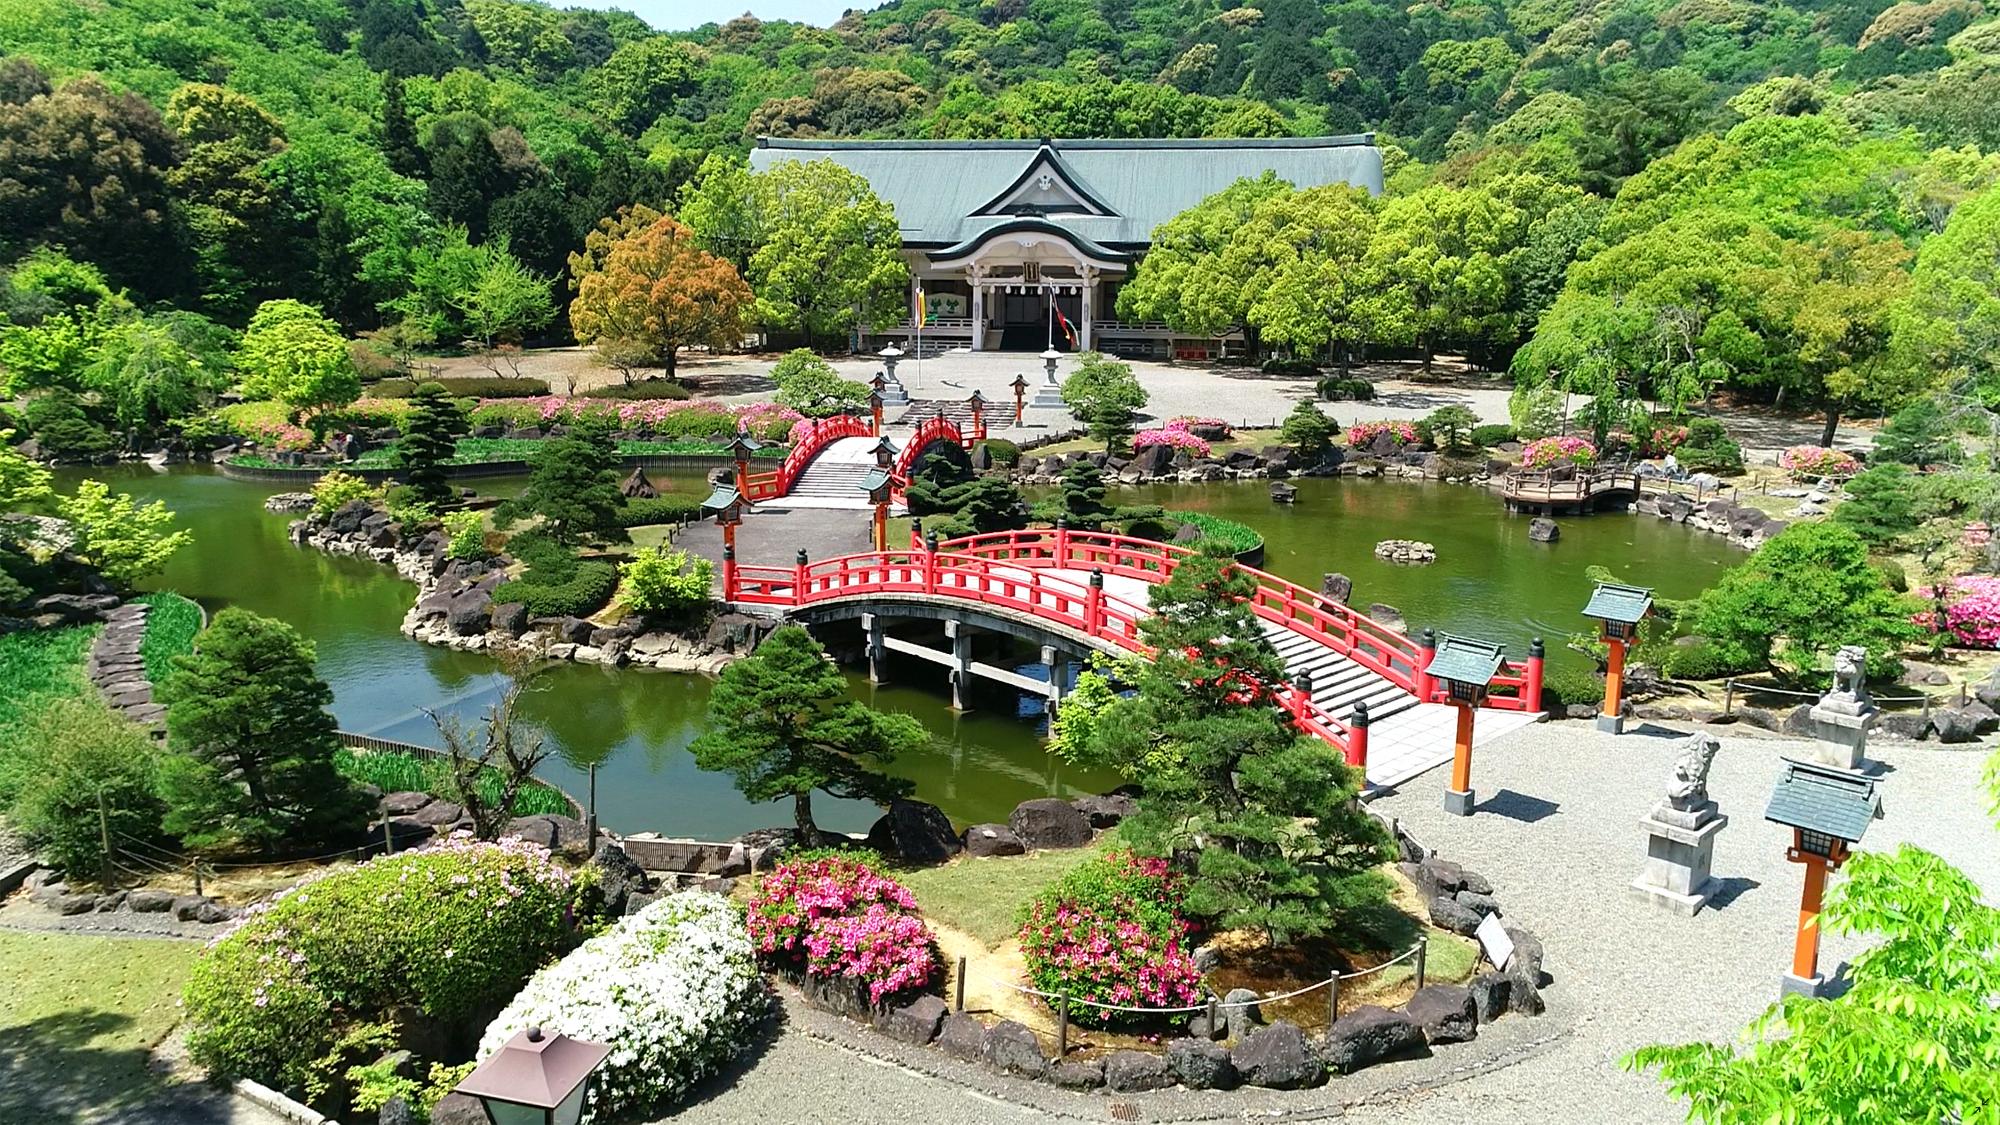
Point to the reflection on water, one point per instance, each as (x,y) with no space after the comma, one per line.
(636,725)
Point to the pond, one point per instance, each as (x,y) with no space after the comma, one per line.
(636,725)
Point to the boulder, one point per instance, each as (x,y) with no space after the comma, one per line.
(1368,1035)
(187,906)
(619,877)
(1282,493)
(843,996)
(510,618)
(1491,995)
(74,904)
(1278,1057)
(917,1022)
(211,913)
(1909,725)
(1336,587)
(349,517)
(1201,1065)
(459,1109)
(983,840)
(1541,530)
(1049,822)
(1389,617)
(1105,811)
(1988,691)
(574,630)
(1129,1072)
(1446,1012)
(1479,904)
(914,832)
(1956,725)
(1013,1049)
(1447,913)
(963,1036)
(1076,1074)
(1441,877)
(404,803)
(1154,460)
(1240,1014)
(149,901)
(557,833)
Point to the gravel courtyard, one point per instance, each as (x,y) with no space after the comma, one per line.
(1557,832)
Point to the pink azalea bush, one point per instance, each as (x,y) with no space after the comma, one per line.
(668,418)
(1364,433)
(1173,439)
(836,916)
(1971,610)
(1550,452)
(1112,932)
(1189,421)
(1817,461)
(1664,440)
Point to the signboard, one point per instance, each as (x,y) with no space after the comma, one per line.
(945,304)
(1493,940)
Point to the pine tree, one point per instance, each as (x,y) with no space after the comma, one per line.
(1263,817)
(399,133)
(1309,432)
(251,741)
(1080,498)
(781,722)
(1920,435)
(940,477)
(429,442)
(1879,505)
(574,487)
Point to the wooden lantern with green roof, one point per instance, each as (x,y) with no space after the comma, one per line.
(1619,609)
(1828,809)
(1465,667)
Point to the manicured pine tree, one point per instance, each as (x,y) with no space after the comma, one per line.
(938,482)
(251,742)
(1880,504)
(429,442)
(781,722)
(1080,499)
(1263,816)
(1921,435)
(1309,432)
(574,487)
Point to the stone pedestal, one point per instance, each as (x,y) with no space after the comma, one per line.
(1048,395)
(1815,988)
(1459,804)
(1611,724)
(1840,726)
(893,393)
(1680,849)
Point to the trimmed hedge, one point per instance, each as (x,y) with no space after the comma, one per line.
(1333,388)
(1488,436)
(1002,451)
(664,509)
(1299,368)
(465,386)
(644,390)
(579,594)
(1237,537)
(1563,687)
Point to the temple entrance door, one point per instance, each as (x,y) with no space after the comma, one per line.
(1024,321)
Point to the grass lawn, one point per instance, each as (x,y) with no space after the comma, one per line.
(79,1018)
(982,896)
(41,664)
(171,623)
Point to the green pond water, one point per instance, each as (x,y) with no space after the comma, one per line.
(635,725)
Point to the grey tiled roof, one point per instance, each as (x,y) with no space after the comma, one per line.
(936,186)
(1465,660)
(1614,602)
(1823,799)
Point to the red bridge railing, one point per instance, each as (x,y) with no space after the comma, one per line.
(824,432)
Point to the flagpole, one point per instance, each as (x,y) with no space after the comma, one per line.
(1050,290)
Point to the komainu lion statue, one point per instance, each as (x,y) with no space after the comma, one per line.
(1688,784)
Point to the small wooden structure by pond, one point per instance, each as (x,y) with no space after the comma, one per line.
(1547,492)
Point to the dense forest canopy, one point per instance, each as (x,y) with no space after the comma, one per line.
(1661,195)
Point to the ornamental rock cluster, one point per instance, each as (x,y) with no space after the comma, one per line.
(1408,551)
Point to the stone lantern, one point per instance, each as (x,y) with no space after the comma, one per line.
(536,1078)
(1619,609)
(1827,810)
(893,393)
(1465,667)
(1048,396)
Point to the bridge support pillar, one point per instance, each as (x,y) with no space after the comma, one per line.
(961,662)
(871,627)
(1057,668)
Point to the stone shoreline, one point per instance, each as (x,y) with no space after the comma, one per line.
(454,607)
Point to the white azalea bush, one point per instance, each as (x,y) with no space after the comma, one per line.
(673,989)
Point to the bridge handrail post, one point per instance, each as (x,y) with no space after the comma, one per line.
(930,563)
(1093,602)
(1357,739)
(1426,649)
(1531,686)
(1062,542)
(1301,694)
(799,578)
(916,534)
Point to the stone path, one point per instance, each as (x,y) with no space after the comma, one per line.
(119,671)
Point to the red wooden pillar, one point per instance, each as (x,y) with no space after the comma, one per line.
(1458,799)
(882,526)
(729,584)
(1093,603)
(1426,649)
(799,578)
(1531,691)
(916,534)
(1357,740)
(1612,718)
(1805,947)
(1062,542)
(930,564)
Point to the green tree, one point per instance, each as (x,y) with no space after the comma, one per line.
(294,354)
(93,771)
(1079,500)
(123,541)
(642,79)
(63,427)
(1439,254)
(251,741)
(1309,432)
(1451,427)
(233,211)
(1880,504)
(1208,265)
(940,479)
(160,368)
(1951,320)
(1920,435)
(781,723)
(506,300)
(1264,815)
(429,442)
(573,487)
(1915,1037)
(810,385)
(1104,395)
(663,583)
(1804,593)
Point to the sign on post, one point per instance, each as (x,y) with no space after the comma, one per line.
(1494,942)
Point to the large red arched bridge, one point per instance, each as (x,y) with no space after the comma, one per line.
(1092,589)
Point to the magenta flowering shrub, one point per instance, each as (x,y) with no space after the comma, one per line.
(1817,461)
(1172,438)
(833,915)
(1112,932)
(1971,610)
(1364,433)
(1664,440)
(668,418)
(450,931)
(1189,421)
(1551,452)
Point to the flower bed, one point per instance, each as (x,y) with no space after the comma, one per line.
(1552,452)
(1111,932)
(664,417)
(673,991)
(1817,461)
(1172,438)
(1971,610)
(1365,433)
(443,935)
(833,917)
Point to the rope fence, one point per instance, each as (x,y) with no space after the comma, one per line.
(1214,1007)
(1732,685)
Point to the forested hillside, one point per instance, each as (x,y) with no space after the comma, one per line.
(1658,196)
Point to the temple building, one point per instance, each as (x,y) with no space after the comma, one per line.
(1000,234)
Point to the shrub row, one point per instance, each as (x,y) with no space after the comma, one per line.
(580,593)
(464,386)
(1333,388)
(663,509)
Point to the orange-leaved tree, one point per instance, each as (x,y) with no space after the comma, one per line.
(642,285)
